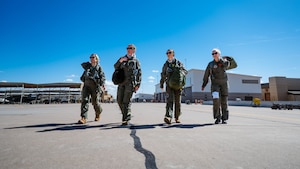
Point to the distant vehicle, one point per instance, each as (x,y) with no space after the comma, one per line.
(4,101)
(256,102)
(54,100)
(25,99)
(284,106)
(14,99)
(67,101)
(30,98)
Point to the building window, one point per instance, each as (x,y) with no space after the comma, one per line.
(250,81)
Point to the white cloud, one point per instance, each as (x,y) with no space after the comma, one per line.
(70,76)
(109,83)
(3,80)
(151,78)
(155,71)
(69,80)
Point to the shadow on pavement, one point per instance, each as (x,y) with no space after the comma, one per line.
(40,125)
(188,126)
(63,126)
(76,126)
(150,161)
(163,125)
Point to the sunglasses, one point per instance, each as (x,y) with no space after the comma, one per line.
(92,57)
(130,48)
(214,53)
(169,53)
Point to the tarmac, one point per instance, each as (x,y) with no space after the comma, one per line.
(47,137)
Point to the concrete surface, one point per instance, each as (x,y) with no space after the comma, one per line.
(47,136)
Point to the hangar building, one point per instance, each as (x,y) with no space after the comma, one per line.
(241,87)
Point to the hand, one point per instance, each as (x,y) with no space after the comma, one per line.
(227,58)
(162,89)
(202,88)
(136,88)
(123,59)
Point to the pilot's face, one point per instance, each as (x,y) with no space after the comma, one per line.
(170,55)
(93,59)
(215,55)
(130,50)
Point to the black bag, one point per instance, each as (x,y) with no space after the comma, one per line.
(86,65)
(118,76)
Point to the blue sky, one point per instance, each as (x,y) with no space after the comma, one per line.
(45,41)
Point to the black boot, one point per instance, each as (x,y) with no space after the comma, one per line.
(217,121)
(224,122)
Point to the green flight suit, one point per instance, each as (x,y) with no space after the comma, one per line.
(133,78)
(172,95)
(219,87)
(93,78)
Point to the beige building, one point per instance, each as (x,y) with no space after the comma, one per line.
(107,98)
(281,89)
